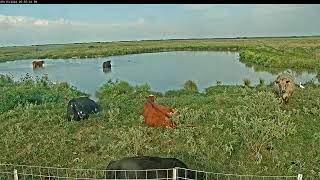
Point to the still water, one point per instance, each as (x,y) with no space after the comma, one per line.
(162,71)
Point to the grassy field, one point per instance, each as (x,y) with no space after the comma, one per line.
(238,129)
(303,52)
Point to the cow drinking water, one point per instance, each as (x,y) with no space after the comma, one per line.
(80,108)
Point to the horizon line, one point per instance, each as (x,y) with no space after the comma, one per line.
(208,38)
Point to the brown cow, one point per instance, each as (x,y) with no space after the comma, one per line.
(156,115)
(36,64)
(284,86)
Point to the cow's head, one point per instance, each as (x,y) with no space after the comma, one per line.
(77,112)
(151,98)
(283,84)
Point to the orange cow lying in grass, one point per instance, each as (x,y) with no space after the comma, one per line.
(36,64)
(156,115)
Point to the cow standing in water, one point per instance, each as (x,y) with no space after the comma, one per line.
(156,115)
(80,108)
(36,64)
(106,66)
(136,168)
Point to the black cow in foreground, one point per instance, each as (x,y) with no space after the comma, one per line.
(131,164)
(80,108)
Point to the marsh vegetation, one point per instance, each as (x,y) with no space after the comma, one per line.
(234,128)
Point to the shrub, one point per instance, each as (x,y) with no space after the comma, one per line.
(247,82)
(122,101)
(260,122)
(261,82)
(5,80)
(27,91)
(190,85)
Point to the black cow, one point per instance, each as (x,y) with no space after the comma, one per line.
(80,108)
(106,64)
(147,163)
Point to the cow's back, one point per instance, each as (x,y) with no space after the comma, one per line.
(83,104)
(87,105)
(143,163)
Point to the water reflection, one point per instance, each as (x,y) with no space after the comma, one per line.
(276,71)
(106,70)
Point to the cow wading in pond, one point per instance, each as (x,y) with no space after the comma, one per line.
(284,86)
(156,115)
(132,164)
(106,64)
(37,64)
(80,108)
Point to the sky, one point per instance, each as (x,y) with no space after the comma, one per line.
(69,23)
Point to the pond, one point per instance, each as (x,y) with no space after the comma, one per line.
(162,71)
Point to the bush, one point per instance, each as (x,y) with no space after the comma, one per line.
(121,101)
(260,122)
(5,80)
(247,82)
(261,82)
(35,92)
(190,85)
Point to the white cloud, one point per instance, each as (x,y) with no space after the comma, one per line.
(21,30)
(31,21)
(24,20)
(41,22)
(12,19)
(62,21)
